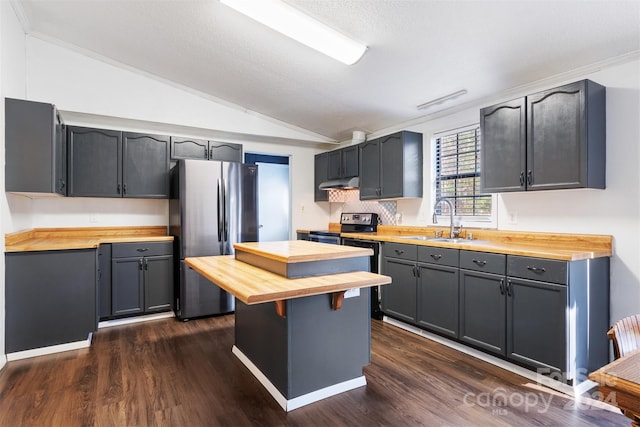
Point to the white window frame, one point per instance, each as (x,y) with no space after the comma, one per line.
(480,221)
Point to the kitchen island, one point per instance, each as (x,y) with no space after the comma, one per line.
(304,338)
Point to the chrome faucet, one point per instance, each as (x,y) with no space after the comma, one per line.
(452,233)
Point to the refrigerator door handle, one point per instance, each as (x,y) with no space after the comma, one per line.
(225,216)
(220,205)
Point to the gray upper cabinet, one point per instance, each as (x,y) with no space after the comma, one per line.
(110,163)
(189,148)
(504,147)
(560,144)
(321,165)
(95,162)
(145,172)
(225,151)
(370,170)
(391,167)
(343,163)
(36,159)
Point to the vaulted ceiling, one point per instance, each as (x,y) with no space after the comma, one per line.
(418,50)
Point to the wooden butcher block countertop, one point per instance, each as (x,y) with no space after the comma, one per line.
(293,251)
(51,239)
(564,247)
(558,246)
(253,285)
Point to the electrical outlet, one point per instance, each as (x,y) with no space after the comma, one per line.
(93,217)
(512,217)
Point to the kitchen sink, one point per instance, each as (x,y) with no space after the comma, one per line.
(441,239)
(417,237)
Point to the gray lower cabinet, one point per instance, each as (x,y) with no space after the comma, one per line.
(141,278)
(438,290)
(35,149)
(547,315)
(50,298)
(483,310)
(399,297)
(424,287)
(104,281)
(111,163)
(536,337)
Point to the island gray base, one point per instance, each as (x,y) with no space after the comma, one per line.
(312,353)
(305,399)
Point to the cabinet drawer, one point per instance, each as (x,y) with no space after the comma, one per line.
(482,261)
(126,250)
(441,256)
(399,250)
(545,270)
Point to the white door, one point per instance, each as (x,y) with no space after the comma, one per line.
(273,202)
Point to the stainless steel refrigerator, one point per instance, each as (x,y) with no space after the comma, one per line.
(213,205)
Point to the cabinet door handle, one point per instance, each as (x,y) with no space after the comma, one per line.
(501,286)
(140,264)
(509,288)
(521,178)
(538,270)
(417,271)
(210,154)
(124,189)
(435,256)
(146,264)
(529,177)
(399,251)
(118,188)
(142,249)
(479,262)
(413,269)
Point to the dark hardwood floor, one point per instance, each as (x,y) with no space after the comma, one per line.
(173,373)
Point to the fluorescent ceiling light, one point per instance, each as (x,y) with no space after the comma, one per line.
(306,30)
(442,99)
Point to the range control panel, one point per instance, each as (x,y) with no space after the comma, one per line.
(359,218)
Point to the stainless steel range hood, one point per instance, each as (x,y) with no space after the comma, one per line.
(345,184)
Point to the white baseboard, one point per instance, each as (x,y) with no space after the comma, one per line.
(576,390)
(305,399)
(3,360)
(135,319)
(76,345)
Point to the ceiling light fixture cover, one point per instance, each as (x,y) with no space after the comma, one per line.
(442,99)
(306,30)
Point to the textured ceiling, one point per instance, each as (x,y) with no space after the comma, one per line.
(418,51)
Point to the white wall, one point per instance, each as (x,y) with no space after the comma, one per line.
(614,211)
(75,82)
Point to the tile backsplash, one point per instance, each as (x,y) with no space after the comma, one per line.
(351,203)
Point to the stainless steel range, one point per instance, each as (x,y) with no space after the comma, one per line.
(364,223)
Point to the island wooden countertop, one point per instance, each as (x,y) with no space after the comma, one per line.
(52,239)
(253,285)
(294,251)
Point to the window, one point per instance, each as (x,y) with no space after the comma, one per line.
(458,173)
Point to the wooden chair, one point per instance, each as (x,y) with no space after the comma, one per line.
(625,334)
